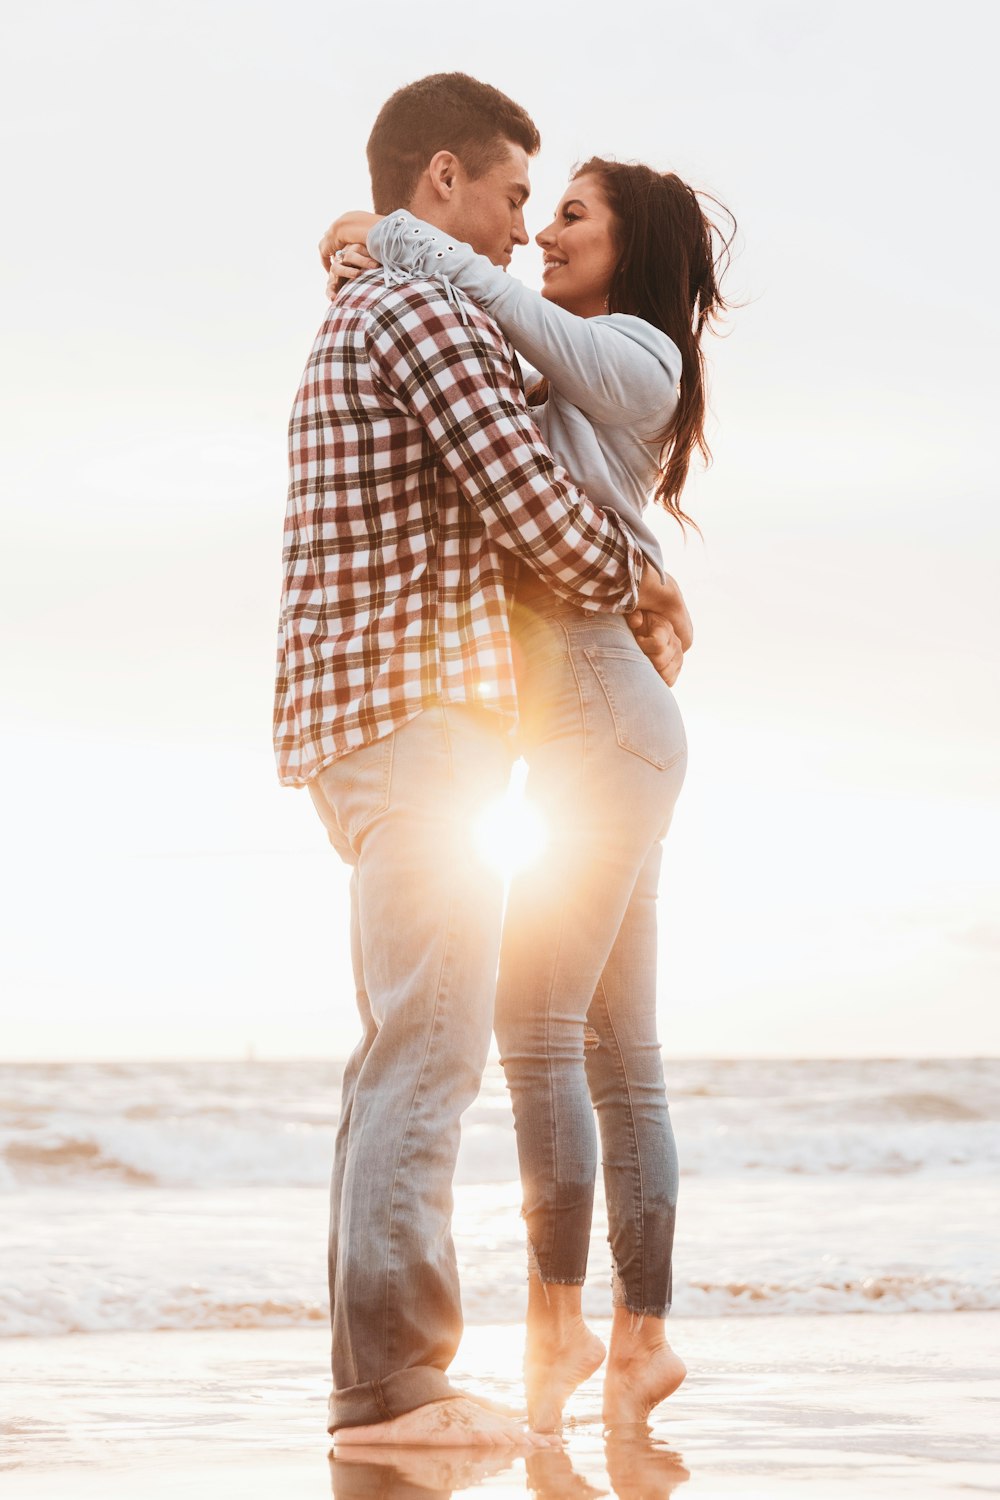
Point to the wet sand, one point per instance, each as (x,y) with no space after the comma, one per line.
(871,1405)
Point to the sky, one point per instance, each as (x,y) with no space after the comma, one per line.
(830,883)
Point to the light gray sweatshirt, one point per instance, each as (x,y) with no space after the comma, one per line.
(612,380)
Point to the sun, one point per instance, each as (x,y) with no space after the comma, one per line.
(510,833)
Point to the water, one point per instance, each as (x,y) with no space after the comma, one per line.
(193,1195)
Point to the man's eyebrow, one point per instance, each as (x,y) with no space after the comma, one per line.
(522,189)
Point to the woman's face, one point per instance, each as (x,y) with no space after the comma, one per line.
(580,250)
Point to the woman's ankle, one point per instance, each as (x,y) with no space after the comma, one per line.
(553,1308)
(635,1333)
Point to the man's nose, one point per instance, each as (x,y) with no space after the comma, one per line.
(519,233)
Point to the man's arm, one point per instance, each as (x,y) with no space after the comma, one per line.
(456,378)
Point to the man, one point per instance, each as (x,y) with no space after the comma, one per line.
(419,483)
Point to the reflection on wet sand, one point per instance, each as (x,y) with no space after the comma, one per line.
(641,1468)
(551,1476)
(400,1473)
(636,1467)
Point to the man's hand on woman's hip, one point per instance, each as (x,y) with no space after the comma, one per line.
(664,598)
(658,639)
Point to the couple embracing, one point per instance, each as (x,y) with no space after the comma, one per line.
(468,577)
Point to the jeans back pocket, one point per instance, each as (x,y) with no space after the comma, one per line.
(645,714)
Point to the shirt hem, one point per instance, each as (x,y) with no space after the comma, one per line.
(302,779)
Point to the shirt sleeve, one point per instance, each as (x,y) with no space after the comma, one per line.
(454,375)
(617,369)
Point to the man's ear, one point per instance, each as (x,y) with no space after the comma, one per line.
(442,171)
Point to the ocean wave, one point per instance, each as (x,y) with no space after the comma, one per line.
(33,1157)
(918,1106)
(890,1292)
(225,1125)
(189,1151)
(111,1309)
(825,1149)
(196,1152)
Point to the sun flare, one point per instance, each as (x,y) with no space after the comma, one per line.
(510,834)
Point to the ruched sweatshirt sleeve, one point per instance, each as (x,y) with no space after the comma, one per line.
(617,369)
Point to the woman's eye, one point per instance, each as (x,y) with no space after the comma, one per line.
(571,218)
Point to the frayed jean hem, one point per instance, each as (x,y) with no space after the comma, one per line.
(620,1298)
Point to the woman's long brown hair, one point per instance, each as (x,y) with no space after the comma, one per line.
(672,257)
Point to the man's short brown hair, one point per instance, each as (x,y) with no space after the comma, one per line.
(444,112)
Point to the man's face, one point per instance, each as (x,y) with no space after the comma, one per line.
(487,212)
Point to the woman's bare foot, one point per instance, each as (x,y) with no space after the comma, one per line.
(560,1352)
(643,1370)
(455,1423)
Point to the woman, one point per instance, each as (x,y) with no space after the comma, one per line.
(631,281)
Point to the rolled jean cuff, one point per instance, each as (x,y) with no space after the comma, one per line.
(393,1396)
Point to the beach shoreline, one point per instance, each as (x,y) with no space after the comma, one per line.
(893,1404)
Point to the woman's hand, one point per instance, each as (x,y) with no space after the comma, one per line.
(658,640)
(665,598)
(350,229)
(347,265)
(342,249)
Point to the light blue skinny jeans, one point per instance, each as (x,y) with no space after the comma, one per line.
(576,1004)
(425,934)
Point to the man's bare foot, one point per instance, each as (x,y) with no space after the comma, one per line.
(643,1370)
(457,1422)
(557,1360)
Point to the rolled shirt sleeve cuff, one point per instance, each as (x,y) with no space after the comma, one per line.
(636,567)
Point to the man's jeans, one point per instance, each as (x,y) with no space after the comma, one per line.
(426,915)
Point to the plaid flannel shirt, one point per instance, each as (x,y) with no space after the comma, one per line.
(417,476)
